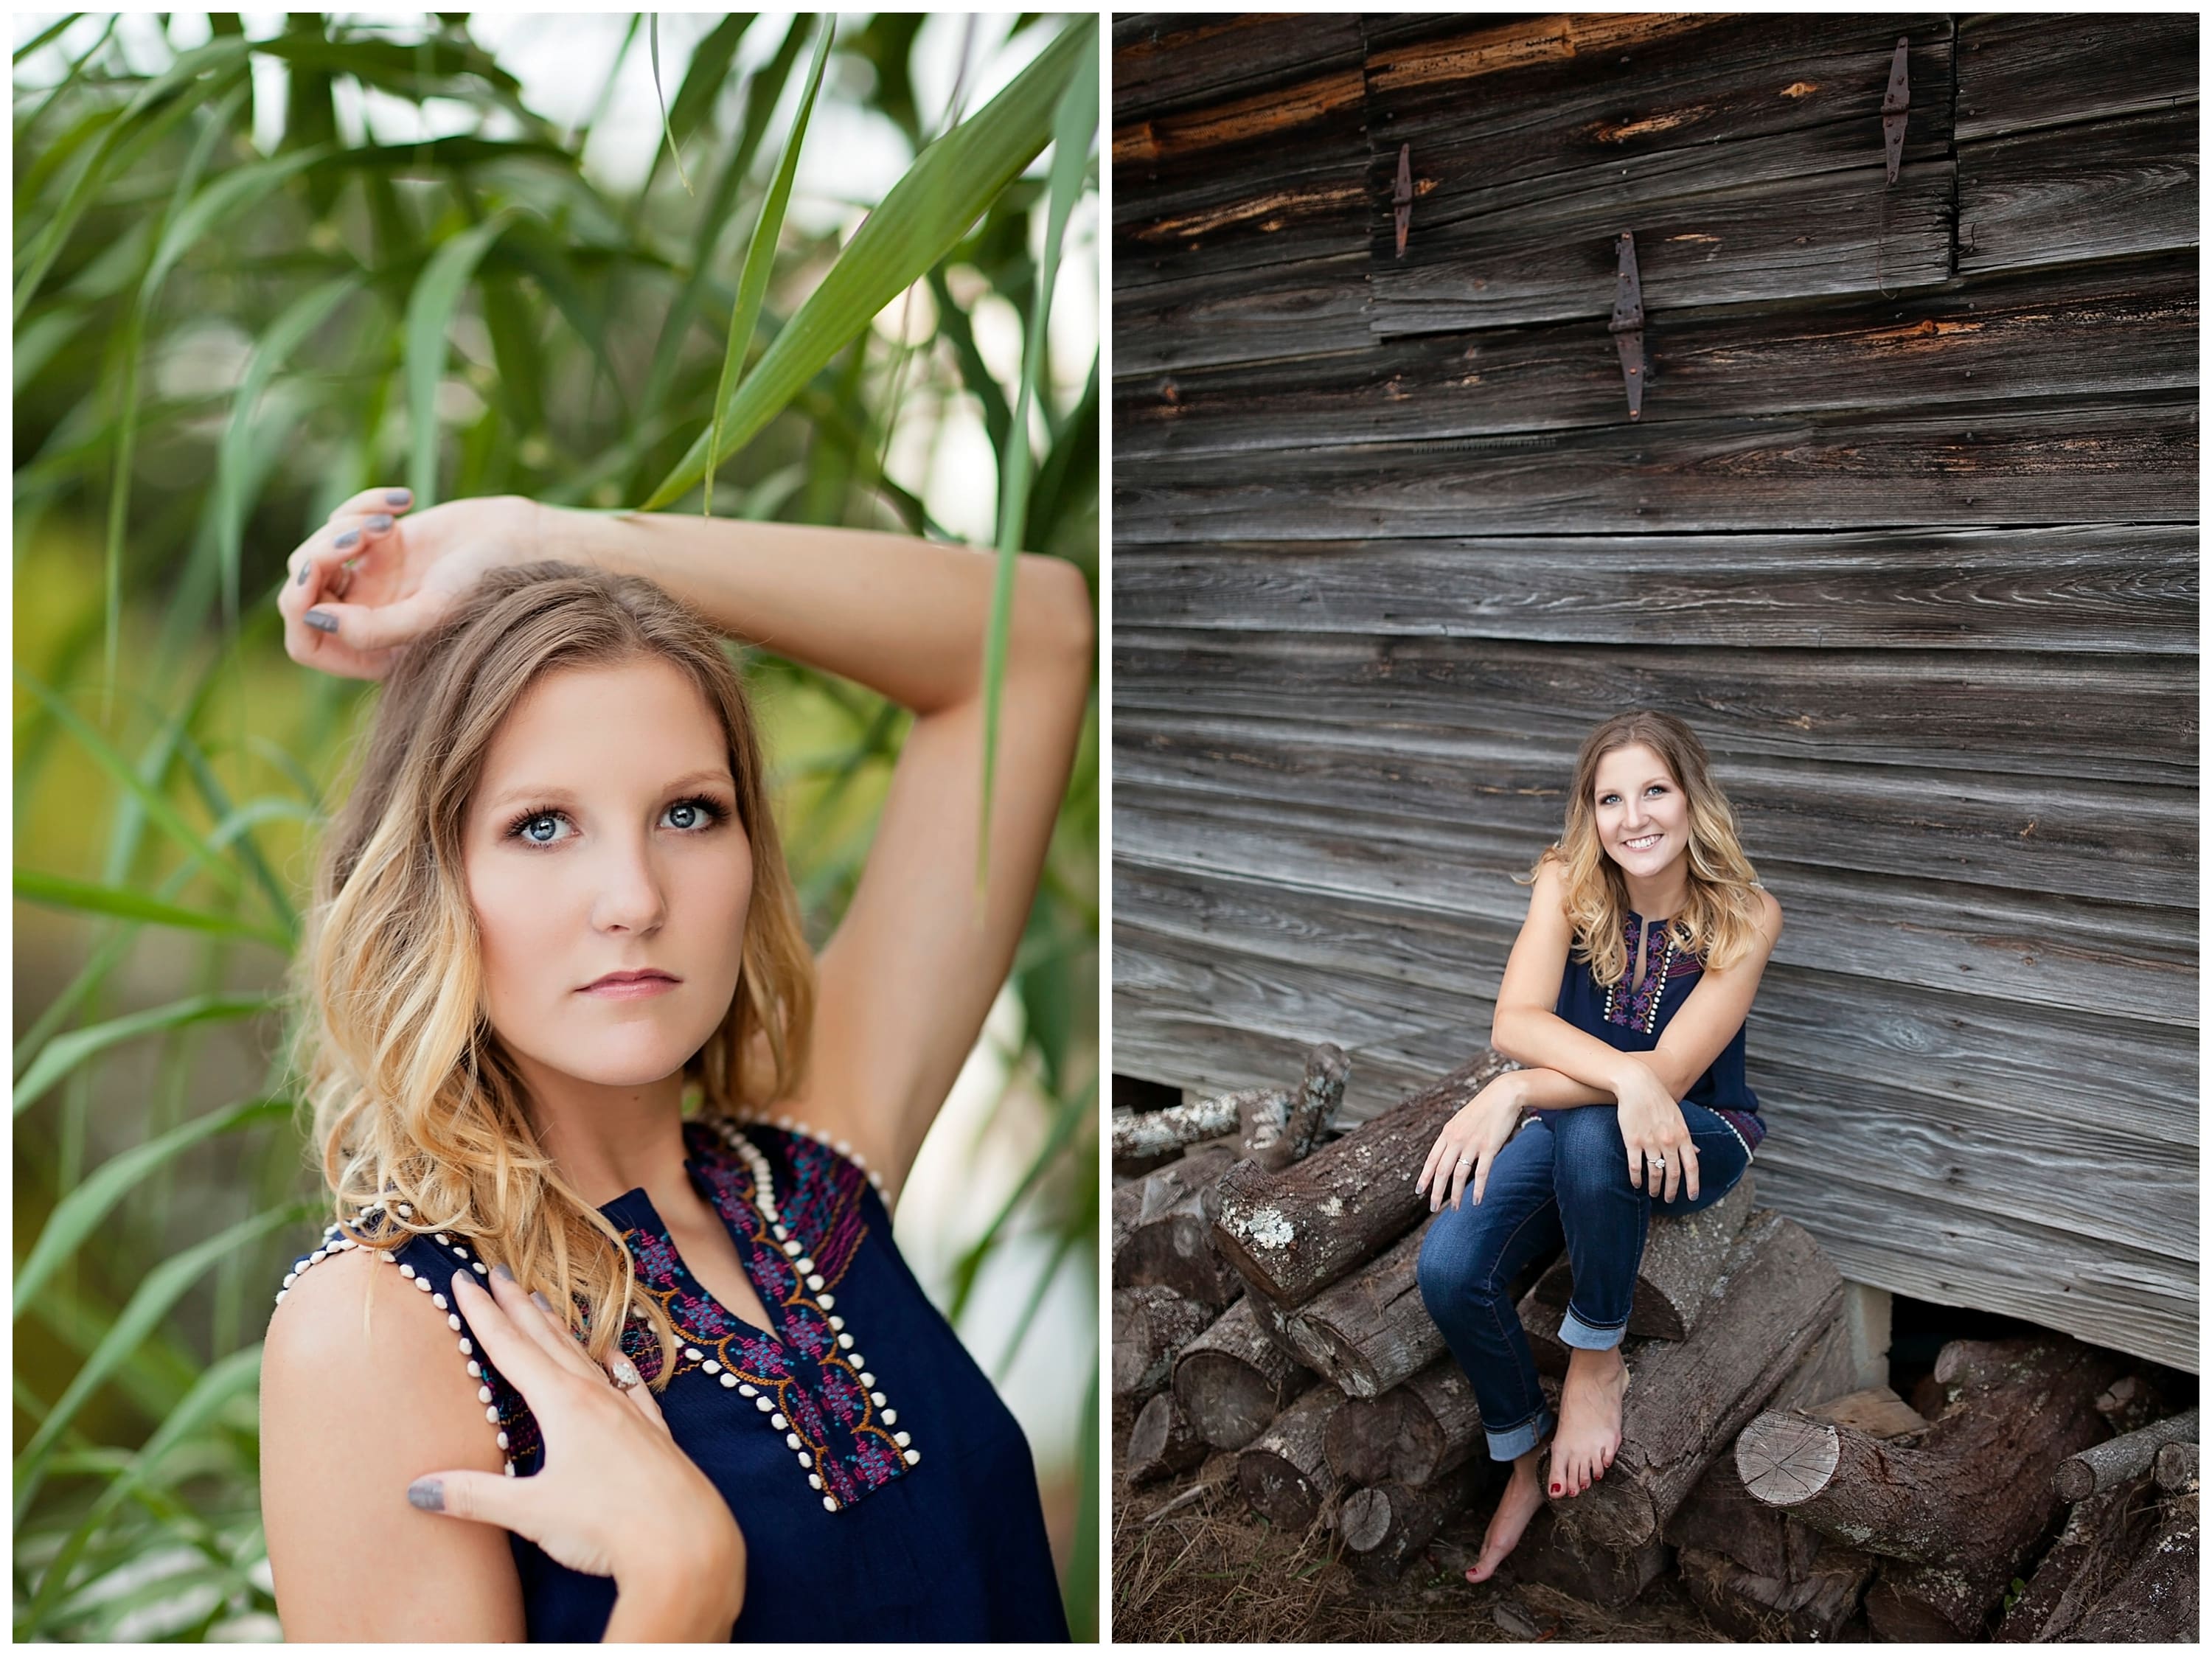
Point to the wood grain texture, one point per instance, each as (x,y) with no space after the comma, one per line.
(2102,330)
(2018,70)
(1242,315)
(2120,717)
(1788,238)
(1963,1047)
(1993,1158)
(2105,589)
(2064,460)
(1180,60)
(2068,194)
(1667,86)
(2128,842)
(2047,953)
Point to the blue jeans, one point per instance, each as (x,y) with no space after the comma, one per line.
(1562,1175)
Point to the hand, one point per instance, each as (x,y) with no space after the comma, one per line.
(617,1497)
(1652,1127)
(385,577)
(1464,1151)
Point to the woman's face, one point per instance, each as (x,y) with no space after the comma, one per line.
(603,838)
(1643,818)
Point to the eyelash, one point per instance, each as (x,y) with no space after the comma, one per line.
(713,809)
(1661,786)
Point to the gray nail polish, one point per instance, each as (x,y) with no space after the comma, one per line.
(380,522)
(541,1301)
(301,580)
(321,619)
(428,1493)
(398,496)
(348,538)
(502,1271)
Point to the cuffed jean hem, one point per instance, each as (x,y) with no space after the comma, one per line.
(1512,1446)
(1574,1331)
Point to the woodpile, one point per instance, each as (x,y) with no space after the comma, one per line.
(1265,1306)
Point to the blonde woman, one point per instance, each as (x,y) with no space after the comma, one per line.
(1625,997)
(573,1364)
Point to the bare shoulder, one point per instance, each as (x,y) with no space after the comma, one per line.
(363,1390)
(1550,889)
(1770,914)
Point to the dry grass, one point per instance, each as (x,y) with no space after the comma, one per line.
(1210,1572)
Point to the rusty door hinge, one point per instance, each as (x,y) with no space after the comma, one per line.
(1401,198)
(1894,103)
(1628,324)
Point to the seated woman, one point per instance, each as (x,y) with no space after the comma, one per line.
(573,1363)
(1625,997)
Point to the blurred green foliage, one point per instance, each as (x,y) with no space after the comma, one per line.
(214,344)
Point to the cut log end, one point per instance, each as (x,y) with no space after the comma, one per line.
(1785,1461)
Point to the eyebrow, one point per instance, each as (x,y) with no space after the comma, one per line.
(518,795)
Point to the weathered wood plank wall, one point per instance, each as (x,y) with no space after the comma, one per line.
(1907,530)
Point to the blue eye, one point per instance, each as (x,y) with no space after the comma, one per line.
(525,828)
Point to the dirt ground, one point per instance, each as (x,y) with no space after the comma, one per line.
(1208,1570)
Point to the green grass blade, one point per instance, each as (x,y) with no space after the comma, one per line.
(1074,122)
(45,35)
(1080,1593)
(703,80)
(430,310)
(760,255)
(155,804)
(65,1053)
(121,902)
(271,352)
(79,1213)
(157,1294)
(653,40)
(224,1379)
(920,218)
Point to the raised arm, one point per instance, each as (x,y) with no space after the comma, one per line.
(906,982)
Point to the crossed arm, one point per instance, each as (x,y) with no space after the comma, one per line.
(1567,1066)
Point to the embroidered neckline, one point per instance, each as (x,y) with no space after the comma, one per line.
(808,1379)
(1640,1009)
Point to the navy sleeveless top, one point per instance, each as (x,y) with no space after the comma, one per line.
(1631,1016)
(884,1490)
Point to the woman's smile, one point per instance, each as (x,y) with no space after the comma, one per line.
(630,986)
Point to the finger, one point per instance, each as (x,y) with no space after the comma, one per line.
(385,497)
(1460,1169)
(647,1404)
(1481,1176)
(478,1497)
(533,1313)
(1635,1168)
(514,1336)
(365,629)
(1690,1171)
(1673,1175)
(1428,1167)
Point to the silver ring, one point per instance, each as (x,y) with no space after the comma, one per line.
(624,1372)
(1658,1160)
(1466,1162)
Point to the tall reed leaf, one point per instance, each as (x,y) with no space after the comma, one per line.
(77,1214)
(920,220)
(760,255)
(65,1053)
(430,310)
(157,1294)
(156,805)
(271,352)
(121,902)
(228,1378)
(1074,123)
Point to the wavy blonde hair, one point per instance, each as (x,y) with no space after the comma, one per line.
(1719,918)
(413,1099)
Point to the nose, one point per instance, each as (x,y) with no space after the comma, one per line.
(630,895)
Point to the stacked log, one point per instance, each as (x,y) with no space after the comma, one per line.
(1952,1514)
(2124,1565)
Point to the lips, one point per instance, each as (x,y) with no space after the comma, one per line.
(1644,844)
(629,979)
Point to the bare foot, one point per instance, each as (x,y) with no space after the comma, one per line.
(1589,1420)
(1524,1493)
